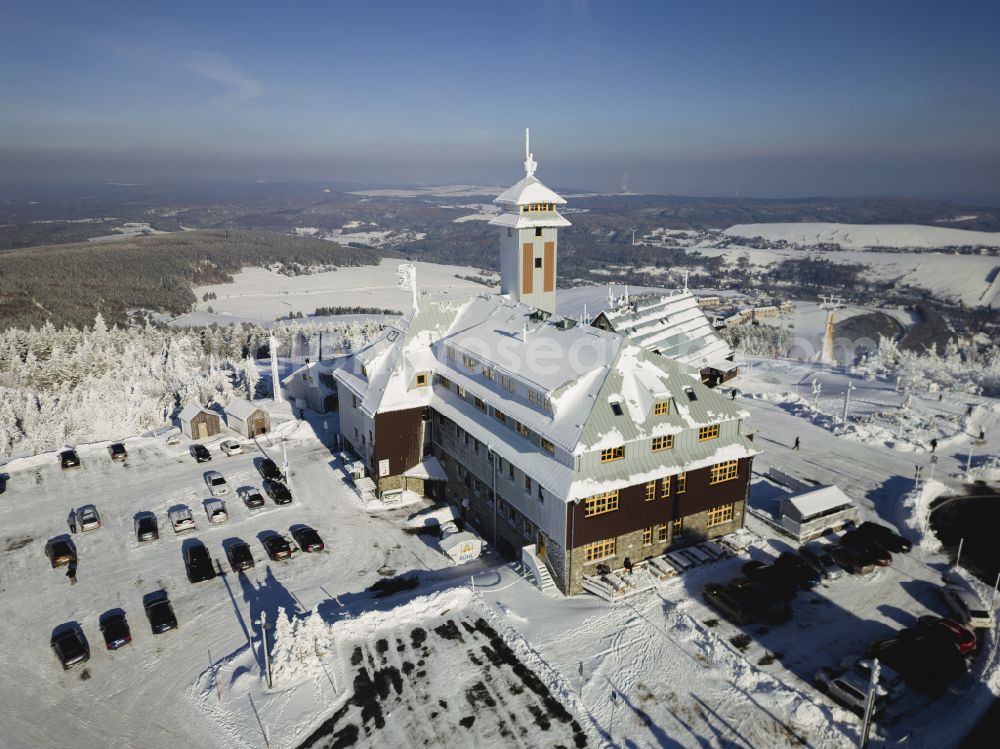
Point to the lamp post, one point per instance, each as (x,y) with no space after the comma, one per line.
(267,654)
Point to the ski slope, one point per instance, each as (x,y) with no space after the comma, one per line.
(865,236)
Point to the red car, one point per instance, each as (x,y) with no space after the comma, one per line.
(965,639)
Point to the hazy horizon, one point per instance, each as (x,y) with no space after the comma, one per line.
(776,99)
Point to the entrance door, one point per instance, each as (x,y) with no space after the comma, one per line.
(258,426)
(202,429)
(540,545)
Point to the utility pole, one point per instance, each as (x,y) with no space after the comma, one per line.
(958,556)
(866,723)
(267,654)
(847,401)
(916,480)
(968,463)
(284,462)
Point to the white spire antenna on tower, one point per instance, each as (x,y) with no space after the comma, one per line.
(529,158)
(407,274)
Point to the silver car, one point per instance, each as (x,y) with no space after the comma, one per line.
(818,557)
(216,483)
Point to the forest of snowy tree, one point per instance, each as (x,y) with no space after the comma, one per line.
(63,386)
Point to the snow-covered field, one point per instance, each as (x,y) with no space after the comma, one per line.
(259,295)
(438,663)
(129,229)
(441,191)
(863,236)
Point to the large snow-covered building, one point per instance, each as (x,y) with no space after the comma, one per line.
(573,444)
(675,326)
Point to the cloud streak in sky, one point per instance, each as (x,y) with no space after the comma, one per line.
(240,88)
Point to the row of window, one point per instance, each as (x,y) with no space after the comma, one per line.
(538,207)
(501,417)
(659,443)
(680,486)
(535,397)
(608,501)
(463,437)
(608,547)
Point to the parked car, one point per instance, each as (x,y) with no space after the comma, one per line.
(146,528)
(278,492)
(173,439)
(740,609)
(115,629)
(69,459)
(160,613)
(182,520)
(927,662)
(216,511)
(869,546)
(70,647)
(216,483)
(852,560)
(308,539)
(198,561)
(269,470)
(252,499)
(774,609)
(818,556)
(782,584)
(888,678)
(200,453)
(60,552)
(887,537)
(850,689)
(277,547)
(798,570)
(117,451)
(231,447)
(239,555)
(964,639)
(87,518)
(967,607)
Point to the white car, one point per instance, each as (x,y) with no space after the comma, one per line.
(216,483)
(173,439)
(849,688)
(888,679)
(967,607)
(231,447)
(87,518)
(216,511)
(182,520)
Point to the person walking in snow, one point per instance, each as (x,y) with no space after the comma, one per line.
(796,445)
(933,445)
(734,394)
(302,414)
(982,435)
(71,572)
(72,521)
(628,566)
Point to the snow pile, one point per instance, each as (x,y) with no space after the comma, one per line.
(915,510)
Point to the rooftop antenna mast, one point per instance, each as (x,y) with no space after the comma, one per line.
(686,274)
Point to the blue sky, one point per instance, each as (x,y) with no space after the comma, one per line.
(741,98)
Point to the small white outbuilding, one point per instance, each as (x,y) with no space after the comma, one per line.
(812,513)
(246,418)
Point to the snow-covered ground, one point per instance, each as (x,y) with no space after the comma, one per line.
(441,191)
(863,236)
(259,295)
(506,665)
(129,229)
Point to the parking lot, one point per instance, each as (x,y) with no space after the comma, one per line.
(150,676)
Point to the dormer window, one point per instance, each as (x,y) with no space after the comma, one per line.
(689,392)
(661,408)
(420,380)
(616,408)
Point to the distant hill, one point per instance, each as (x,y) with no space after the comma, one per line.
(69,284)
(867,236)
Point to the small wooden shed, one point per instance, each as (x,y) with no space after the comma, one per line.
(198,423)
(246,419)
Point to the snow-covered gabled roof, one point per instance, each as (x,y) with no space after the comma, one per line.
(190,411)
(529,190)
(241,409)
(382,373)
(819,500)
(675,326)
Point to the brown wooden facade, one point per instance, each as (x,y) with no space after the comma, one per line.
(399,439)
(205,424)
(635,512)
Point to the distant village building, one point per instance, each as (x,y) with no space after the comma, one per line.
(246,418)
(198,423)
(566,445)
(674,326)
